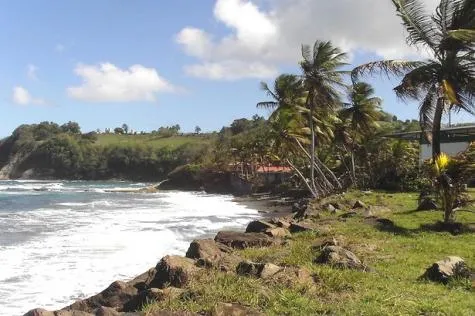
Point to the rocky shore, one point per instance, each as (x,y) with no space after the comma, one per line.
(172,275)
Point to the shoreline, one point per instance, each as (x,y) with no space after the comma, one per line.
(268,206)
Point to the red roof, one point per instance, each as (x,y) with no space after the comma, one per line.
(265,169)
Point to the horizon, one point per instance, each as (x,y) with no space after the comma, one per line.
(151,64)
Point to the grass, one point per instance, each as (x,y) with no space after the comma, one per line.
(153,141)
(399,255)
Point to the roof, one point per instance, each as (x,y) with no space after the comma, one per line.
(273,169)
(447,135)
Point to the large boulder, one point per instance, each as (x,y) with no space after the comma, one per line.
(445,270)
(174,271)
(211,254)
(142,281)
(228,309)
(118,295)
(244,240)
(258,226)
(341,258)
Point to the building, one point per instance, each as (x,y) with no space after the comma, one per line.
(453,140)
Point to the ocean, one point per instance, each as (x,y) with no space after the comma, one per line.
(61,241)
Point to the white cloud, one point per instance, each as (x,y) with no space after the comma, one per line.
(108,83)
(60,48)
(31,72)
(21,96)
(273,36)
(231,70)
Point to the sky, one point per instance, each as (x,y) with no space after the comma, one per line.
(150,63)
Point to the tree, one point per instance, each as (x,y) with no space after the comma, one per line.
(447,80)
(291,132)
(322,78)
(125,128)
(361,114)
(197,130)
(71,128)
(118,130)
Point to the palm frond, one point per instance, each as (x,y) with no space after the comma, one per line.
(267,105)
(463,35)
(427,110)
(390,68)
(419,25)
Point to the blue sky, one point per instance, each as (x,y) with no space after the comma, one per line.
(152,63)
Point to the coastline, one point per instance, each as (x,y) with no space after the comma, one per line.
(267,207)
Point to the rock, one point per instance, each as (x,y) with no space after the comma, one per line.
(359,204)
(302,227)
(445,270)
(258,227)
(211,254)
(227,309)
(277,232)
(291,276)
(166,313)
(244,240)
(175,271)
(341,258)
(330,208)
(142,281)
(427,205)
(368,213)
(268,270)
(348,214)
(155,295)
(39,312)
(283,224)
(107,311)
(249,268)
(327,242)
(258,270)
(43,312)
(116,296)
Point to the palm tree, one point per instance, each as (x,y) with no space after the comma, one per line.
(444,82)
(322,79)
(361,114)
(290,128)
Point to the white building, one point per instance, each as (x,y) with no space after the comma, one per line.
(453,140)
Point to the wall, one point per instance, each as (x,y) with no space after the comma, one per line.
(451,149)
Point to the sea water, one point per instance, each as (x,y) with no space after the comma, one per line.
(66,240)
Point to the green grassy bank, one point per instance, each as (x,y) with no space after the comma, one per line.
(399,255)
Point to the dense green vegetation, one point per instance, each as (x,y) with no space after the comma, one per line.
(399,255)
(64,152)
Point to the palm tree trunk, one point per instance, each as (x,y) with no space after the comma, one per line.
(439,110)
(314,192)
(329,185)
(312,148)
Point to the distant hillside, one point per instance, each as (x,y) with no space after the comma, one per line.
(154,141)
(48,150)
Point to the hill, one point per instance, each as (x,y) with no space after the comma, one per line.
(47,150)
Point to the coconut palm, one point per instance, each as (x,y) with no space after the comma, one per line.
(361,114)
(323,80)
(290,127)
(444,82)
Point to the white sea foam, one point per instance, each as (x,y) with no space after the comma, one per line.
(74,249)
